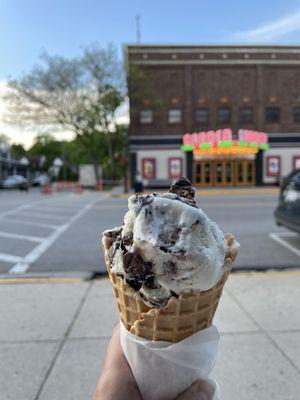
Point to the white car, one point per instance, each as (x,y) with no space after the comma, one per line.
(15,181)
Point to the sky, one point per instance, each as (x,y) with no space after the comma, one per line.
(27,27)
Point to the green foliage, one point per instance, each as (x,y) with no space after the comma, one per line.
(73,153)
(17,151)
(80,94)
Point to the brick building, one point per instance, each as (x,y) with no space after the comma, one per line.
(178,90)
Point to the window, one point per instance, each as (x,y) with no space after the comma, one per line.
(174,116)
(273,165)
(246,114)
(149,168)
(202,115)
(223,115)
(296,114)
(175,167)
(296,162)
(272,114)
(146,116)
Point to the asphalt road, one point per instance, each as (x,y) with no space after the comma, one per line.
(61,232)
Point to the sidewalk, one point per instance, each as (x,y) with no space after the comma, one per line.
(53,338)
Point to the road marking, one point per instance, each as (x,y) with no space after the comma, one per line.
(20,281)
(39,215)
(23,237)
(42,225)
(22,265)
(277,238)
(10,258)
(55,209)
(14,210)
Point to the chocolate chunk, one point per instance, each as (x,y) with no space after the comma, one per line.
(183,188)
(169,267)
(148,214)
(146,200)
(127,240)
(135,266)
(154,301)
(136,285)
(150,282)
(164,249)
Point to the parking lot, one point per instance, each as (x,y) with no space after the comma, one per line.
(60,233)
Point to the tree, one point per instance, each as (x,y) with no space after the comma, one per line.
(4,138)
(80,94)
(17,150)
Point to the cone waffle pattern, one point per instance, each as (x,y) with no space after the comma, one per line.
(179,319)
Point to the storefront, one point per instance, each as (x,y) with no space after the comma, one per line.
(223,159)
(215,158)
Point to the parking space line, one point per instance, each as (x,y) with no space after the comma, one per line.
(41,224)
(23,237)
(22,265)
(14,210)
(39,215)
(55,209)
(10,258)
(277,238)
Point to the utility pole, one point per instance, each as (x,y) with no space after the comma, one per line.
(138,28)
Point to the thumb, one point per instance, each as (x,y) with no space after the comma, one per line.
(200,390)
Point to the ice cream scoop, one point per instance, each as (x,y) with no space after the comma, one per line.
(167,245)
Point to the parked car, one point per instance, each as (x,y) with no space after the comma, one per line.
(40,180)
(287,212)
(15,182)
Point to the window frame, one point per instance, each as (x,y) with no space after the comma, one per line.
(240,115)
(295,158)
(268,172)
(174,122)
(170,159)
(153,160)
(266,111)
(229,115)
(140,116)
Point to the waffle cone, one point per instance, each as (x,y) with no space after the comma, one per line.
(181,317)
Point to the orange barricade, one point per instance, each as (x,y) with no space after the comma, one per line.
(47,189)
(101,185)
(79,187)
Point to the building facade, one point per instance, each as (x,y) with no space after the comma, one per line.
(179,90)
(10,166)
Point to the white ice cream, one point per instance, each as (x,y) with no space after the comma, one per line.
(186,250)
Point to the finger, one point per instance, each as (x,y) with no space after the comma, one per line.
(200,390)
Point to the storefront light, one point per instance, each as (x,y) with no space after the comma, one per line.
(222,142)
(227,150)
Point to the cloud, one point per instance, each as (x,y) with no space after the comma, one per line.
(26,133)
(271,30)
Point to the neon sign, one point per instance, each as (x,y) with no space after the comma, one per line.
(222,142)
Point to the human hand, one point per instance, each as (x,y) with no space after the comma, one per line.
(117,381)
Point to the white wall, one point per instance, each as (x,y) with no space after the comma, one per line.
(286,156)
(162,157)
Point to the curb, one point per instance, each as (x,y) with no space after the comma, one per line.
(215,192)
(90,276)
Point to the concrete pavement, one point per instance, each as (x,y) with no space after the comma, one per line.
(53,337)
